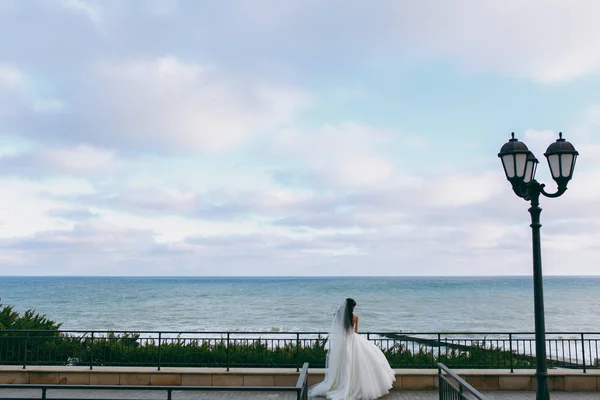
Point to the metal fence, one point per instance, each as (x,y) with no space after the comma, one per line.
(512,350)
(453,387)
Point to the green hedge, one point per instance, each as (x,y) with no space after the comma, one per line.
(127,349)
(52,347)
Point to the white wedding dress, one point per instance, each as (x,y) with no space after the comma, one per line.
(356,368)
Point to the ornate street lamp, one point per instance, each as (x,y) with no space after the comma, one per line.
(520,166)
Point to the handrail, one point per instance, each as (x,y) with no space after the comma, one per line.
(169,389)
(301,387)
(149,387)
(296,332)
(444,384)
(302,383)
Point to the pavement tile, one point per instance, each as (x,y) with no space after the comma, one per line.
(186,395)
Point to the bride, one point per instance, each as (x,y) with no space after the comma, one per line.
(356,368)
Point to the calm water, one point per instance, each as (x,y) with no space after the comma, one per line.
(290,304)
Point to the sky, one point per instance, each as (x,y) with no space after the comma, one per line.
(293,138)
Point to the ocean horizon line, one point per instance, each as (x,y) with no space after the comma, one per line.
(296,276)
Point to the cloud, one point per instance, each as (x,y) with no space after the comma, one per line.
(19,99)
(91,11)
(392,230)
(12,87)
(10,78)
(23,204)
(86,238)
(479,37)
(72,214)
(348,154)
(91,249)
(160,104)
(48,106)
(167,103)
(163,7)
(464,189)
(141,145)
(548,41)
(505,37)
(106,250)
(79,160)
(152,201)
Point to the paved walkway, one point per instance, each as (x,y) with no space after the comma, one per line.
(154,395)
(142,395)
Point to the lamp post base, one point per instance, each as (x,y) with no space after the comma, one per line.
(542,392)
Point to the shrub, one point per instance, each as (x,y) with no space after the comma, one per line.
(51,347)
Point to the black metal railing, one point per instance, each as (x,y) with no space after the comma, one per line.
(43,391)
(453,387)
(506,350)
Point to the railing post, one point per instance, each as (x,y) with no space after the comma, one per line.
(583,353)
(511,352)
(439,349)
(92,352)
(169,394)
(159,340)
(25,350)
(297,352)
(43,393)
(439,383)
(227,353)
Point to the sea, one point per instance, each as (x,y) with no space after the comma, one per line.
(306,304)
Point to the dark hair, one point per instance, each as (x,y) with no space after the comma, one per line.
(350,304)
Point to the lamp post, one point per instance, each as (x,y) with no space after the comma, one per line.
(520,166)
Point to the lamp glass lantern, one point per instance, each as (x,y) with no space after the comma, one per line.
(561,156)
(515,160)
(530,168)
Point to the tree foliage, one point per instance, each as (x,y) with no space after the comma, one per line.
(29,320)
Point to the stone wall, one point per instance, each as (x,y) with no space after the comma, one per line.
(407,379)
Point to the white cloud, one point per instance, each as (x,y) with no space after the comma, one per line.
(539,140)
(346,154)
(545,40)
(548,41)
(584,137)
(451,190)
(23,204)
(11,77)
(18,96)
(260,192)
(169,103)
(162,7)
(48,106)
(12,92)
(30,160)
(372,226)
(91,11)
(80,159)
(583,187)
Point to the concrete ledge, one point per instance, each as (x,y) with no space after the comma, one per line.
(406,379)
